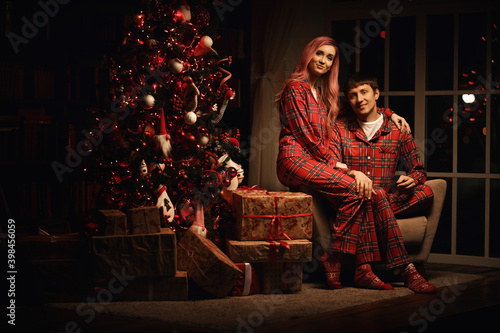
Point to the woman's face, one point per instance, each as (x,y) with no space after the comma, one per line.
(321,61)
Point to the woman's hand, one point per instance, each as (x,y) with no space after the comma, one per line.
(364,185)
(340,165)
(400,123)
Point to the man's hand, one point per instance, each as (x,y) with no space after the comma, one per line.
(400,123)
(364,185)
(405,184)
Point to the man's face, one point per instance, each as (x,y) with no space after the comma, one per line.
(363,101)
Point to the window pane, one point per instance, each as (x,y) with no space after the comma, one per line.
(440,52)
(372,46)
(470,217)
(439,133)
(471,134)
(495,50)
(472,51)
(494,218)
(405,107)
(442,240)
(344,34)
(495,132)
(402,54)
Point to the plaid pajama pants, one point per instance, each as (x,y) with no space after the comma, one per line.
(380,237)
(358,221)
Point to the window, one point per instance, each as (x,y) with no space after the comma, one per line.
(441,72)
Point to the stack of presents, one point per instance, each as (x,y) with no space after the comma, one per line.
(138,260)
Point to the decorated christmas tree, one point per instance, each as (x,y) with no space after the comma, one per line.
(163,143)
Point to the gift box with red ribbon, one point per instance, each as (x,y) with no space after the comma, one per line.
(263,215)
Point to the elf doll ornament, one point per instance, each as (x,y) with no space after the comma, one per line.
(163,200)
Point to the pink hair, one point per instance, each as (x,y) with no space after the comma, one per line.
(329,81)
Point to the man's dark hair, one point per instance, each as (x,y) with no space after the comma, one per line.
(357,79)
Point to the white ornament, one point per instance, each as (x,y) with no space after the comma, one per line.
(204,140)
(190,118)
(175,66)
(206,42)
(148,102)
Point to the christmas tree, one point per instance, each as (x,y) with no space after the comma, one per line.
(163,143)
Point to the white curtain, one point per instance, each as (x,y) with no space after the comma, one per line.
(281,30)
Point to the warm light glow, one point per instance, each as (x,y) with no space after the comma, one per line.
(468,98)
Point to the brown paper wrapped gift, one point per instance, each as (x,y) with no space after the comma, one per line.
(277,215)
(206,264)
(114,221)
(172,288)
(148,255)
(280,276)
(274,251)
(143,220)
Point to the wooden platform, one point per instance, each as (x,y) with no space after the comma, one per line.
(475,306)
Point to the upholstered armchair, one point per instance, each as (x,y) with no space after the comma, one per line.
(418,232)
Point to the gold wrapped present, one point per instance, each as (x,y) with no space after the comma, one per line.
(262,215)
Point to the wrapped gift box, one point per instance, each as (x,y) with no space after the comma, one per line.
(147,255)
(280,277)
(248,283)
(55,268)
(114,221)
(173,288)
(274,251)
(143,220)
(277,215)
(206,264)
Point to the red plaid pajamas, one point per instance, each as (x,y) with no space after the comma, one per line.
(378,159)
(306,158)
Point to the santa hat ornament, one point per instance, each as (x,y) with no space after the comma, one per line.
(162,136)
(204,46)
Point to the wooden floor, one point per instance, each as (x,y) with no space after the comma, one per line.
(473,307)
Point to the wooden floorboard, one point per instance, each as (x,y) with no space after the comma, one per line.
(474,306)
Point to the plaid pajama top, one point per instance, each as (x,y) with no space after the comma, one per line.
(303,125)
(378,158)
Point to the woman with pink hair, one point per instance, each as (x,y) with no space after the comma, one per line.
(308,107)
